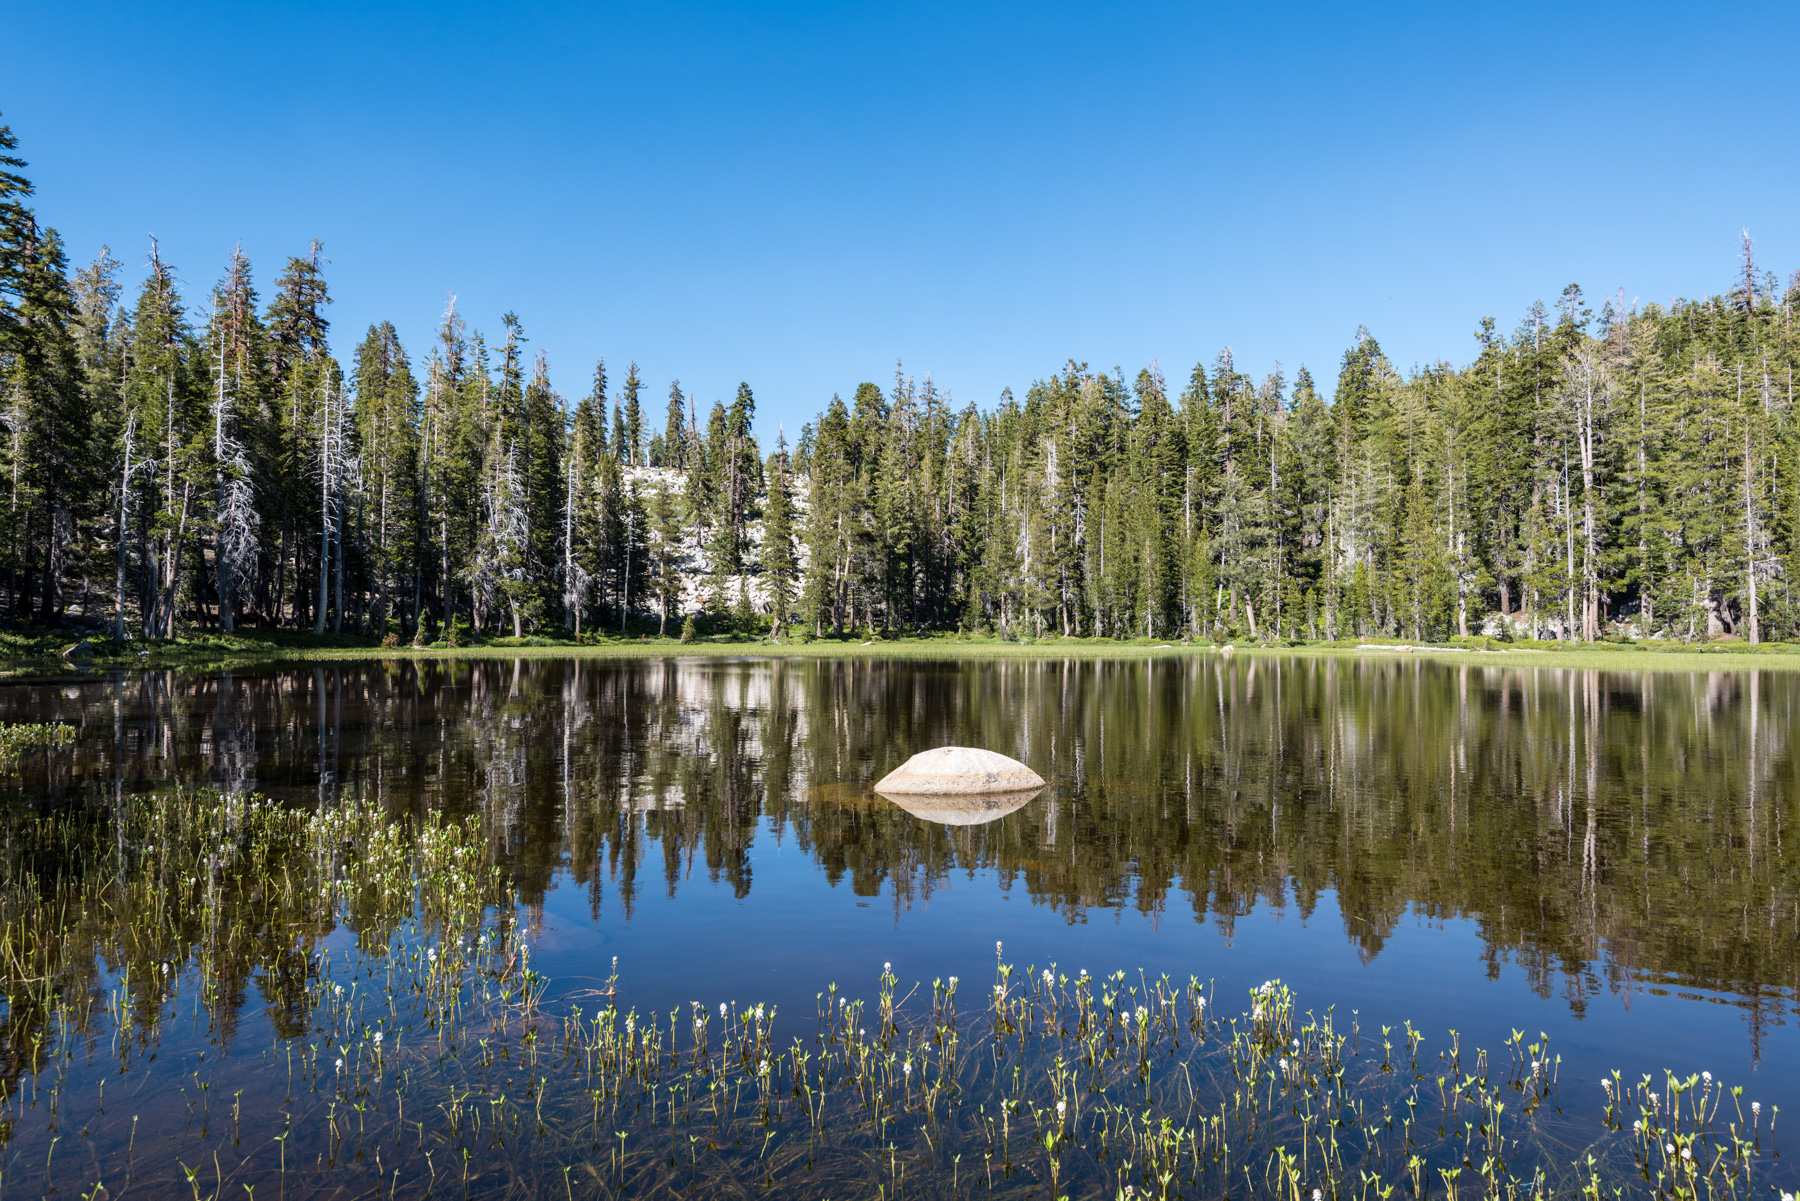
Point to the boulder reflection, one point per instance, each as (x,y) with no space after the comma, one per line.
(976,809)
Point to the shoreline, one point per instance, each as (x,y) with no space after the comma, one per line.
(38,656)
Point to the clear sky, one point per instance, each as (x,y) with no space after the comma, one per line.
(798,195)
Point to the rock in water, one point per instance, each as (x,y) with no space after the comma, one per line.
(958,771)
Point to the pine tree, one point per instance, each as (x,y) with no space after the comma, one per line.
(54,471)
(666,557)
(828,529)
(167,404)
(780,566)
(236,354)
(387,423)
(101,334)
(587,446)
(631,450)
(304,382)
(543,441)
(675,431)
(52,449)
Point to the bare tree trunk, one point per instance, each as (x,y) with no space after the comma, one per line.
(1590,385)
(1755,633)
(625,583)
(337,613)
(278,598)
(324,520)
(449,588)
(1644,601)
(1569,525)
(221,560)
(124,535)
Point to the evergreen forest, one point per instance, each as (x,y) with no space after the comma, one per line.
(203,461)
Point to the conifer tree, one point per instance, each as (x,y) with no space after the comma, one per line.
(304,383)
(780,566)
(675,430)
(666,557)
(387,423)
(631,450)
(236,356)
(167,403)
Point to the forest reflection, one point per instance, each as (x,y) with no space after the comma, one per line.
(1600,829)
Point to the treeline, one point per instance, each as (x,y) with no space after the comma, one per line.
(174,460)
(1634,472)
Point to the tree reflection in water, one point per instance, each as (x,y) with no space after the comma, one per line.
(1601,829)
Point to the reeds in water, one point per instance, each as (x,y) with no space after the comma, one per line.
(208,995)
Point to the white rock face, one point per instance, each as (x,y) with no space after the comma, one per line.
(958,771)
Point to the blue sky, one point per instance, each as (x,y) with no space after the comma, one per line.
(798,195)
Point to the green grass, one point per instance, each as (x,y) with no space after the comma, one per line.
(26,653)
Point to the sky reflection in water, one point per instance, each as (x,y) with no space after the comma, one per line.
(1599,855)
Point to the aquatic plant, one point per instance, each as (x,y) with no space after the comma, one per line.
(15,738)
(408,1044)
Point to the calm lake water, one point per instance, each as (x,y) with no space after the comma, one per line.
(1607,857)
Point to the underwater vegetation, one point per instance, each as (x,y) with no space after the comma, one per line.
(210,995)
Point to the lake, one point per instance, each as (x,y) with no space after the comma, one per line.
(1600,856)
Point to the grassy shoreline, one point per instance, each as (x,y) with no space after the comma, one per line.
(34,653)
